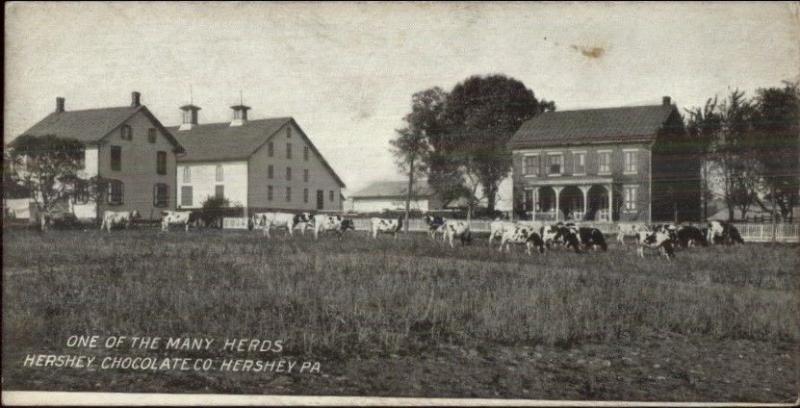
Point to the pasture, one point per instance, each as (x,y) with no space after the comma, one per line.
(413,317)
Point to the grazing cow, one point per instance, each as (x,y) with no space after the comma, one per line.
(658,240)
(458,229)
(522,235)
(670,229)
(435,225)
(115,218)
(176,217)
(689,236)
(720,232)
(553,234)
(588,237)
(498,228)
(629,230)
(331,223)
(281,220)
(385,226)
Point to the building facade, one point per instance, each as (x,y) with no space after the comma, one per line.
(391,196)
(613,164)
(265,164)
(125,146)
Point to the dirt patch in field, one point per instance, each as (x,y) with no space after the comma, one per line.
(666,367)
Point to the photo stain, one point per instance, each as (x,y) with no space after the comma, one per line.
(589,52)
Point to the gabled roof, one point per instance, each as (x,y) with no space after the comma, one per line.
(623,124)
(222,142)
(393,189)
(90,126)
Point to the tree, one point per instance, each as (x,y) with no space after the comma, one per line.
(776,120)
(411,146)
(49,165)
(481,114)
(703,126)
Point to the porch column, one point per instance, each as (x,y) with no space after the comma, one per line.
(610,203)
(558,192)
(534,200)
(585,191)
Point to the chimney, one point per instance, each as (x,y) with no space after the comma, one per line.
(239,115)
(666,101)
(135,96)
(189,117)
(59,104)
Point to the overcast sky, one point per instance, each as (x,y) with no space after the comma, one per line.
(346,71)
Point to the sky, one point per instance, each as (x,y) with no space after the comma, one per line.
(346,71)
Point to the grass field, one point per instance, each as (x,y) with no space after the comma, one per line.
(413,317)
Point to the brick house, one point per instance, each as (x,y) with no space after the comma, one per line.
(611,164)
(127,146)
(257,164)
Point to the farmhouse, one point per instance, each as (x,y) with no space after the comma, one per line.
(127,146)
(391,195)
(612,164)
(259,164)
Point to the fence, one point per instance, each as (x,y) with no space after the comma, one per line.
(751,232)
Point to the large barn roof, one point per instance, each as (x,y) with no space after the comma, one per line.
(586,126)
(393,189)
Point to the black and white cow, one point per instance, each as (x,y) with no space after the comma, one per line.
(553,234)
(522,235)
(720,232)
(115,218)
(331,223)
(588,237)
(629,230)
(176,217)
(668,228)
(385,226)
(658,240)
(457,229)
(435,225)
(286,220)
(498,228)
(689,236)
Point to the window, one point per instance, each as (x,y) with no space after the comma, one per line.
(116,192)
(330,196)
(531,165)
(126,132)
(288,150)
(219,173)
(604,162)
(219,191)
(288,132)
(630,197)
(270,172)
(186,196)
(187,174)
(288,194)
(305,153)
(630,157)
(579,162)
(160,195)
(555,164)
(269,193)
(161,162)
(305,175)
(237,114)
(116,158)
(151,135)
(305,195)
(289,173)
(270,149)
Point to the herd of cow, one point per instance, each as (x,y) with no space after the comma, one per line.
(533,235)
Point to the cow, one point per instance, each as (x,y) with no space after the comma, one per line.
(588,237)
(332,223)
(720,232)
(689,236)
(498,228)
(435,225)
(659,240)
(176,217)
(667,228)
(385,226)
(629,230)
(115,218)
(552,234)
(522,235)
(458,229)
(286,220)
